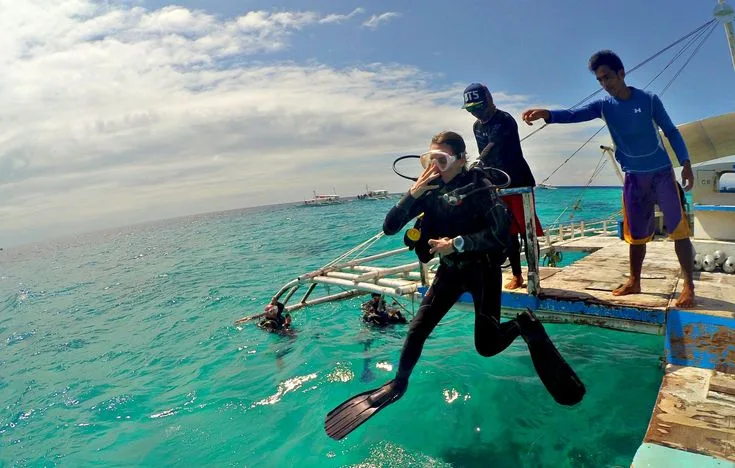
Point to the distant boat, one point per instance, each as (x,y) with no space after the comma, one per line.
(319,200)
(373,194)
(546,186)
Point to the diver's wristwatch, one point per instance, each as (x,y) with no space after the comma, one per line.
(458,243)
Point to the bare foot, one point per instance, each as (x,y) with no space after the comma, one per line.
(515,283)
(631,287)
(686,298)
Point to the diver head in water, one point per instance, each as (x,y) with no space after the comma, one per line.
(274,310)
(376,312)
(274,318)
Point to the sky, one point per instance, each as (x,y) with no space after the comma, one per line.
(120,112)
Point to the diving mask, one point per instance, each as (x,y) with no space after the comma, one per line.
(440,159)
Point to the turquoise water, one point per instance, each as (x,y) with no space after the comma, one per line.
(119,348)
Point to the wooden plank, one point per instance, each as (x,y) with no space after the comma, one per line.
(686,418)
(602,286)
(714,294)
(544,273)
(722,383)
(576,291)
(593,278)
(647,276)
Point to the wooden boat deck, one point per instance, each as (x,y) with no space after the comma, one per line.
(693,421)
(695,412)
(592,279)
(695,407)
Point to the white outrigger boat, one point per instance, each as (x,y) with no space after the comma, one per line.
(320,200)
(379,194)
(693,420)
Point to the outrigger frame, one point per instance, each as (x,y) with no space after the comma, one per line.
(406,281)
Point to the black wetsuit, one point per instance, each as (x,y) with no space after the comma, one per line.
(378,314)
(482,220)
(505,154)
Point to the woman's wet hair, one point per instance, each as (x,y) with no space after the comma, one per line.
(453,140)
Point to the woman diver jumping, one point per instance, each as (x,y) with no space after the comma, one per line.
(471,236)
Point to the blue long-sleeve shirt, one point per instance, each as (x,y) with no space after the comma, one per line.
(633,127)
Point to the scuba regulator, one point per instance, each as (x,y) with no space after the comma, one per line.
(413,235)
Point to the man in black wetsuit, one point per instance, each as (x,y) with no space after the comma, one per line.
(467,226)
(499,144)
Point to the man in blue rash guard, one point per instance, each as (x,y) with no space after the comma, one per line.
(633,117)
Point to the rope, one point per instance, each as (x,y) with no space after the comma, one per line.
(611,217)
(697,33)
(360,247)
(404,308)
(609,152)
(573,154)
(598,168)
(368,245)
(677,55)
(654,56)
(671,81)
(705,30)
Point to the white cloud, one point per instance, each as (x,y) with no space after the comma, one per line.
(377,20)
(335,18)
(114,115)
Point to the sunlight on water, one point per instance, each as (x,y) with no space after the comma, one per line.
(119,348)
(289,385)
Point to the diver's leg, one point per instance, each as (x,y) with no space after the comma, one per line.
(491,337)
(514,257)
(440,297)
(514,203)
(355,411)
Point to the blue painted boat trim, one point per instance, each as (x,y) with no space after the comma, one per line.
(658,456)
(511,300)
(700,340)
(714,208)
